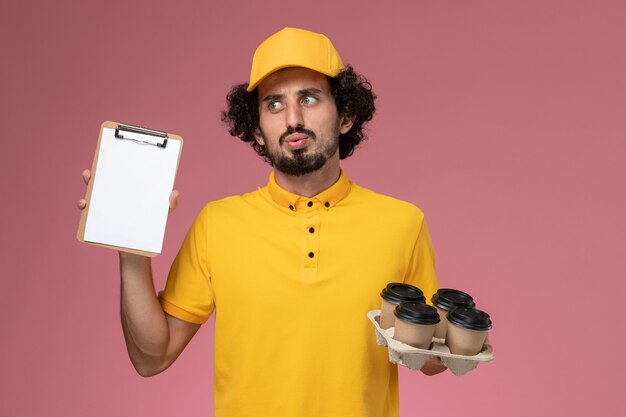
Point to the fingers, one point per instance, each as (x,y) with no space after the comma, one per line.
(82,203)
(174,200)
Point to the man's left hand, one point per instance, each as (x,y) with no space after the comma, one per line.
(433,366)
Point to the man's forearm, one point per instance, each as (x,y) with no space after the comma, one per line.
(143,320)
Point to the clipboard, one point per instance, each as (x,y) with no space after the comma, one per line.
(132,176)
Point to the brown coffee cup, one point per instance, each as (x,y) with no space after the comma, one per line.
(444,300)
(392,295)
(467,330)
(415,324)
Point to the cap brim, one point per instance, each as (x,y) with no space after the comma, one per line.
(290,65)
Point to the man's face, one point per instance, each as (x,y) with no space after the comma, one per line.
(298,121)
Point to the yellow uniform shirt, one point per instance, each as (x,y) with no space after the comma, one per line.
(291,279)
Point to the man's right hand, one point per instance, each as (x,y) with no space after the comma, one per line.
(82,203)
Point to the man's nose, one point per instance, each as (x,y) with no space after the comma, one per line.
(294,115)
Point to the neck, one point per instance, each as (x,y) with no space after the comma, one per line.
(310,184)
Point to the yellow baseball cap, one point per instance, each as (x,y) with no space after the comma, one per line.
(293,47)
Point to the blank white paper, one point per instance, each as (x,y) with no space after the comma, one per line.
(130,196)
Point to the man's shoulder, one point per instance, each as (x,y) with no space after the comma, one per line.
(236,202)
(385,203)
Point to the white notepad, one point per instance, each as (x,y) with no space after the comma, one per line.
(132,177)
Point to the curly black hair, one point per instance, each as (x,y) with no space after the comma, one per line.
(353,96)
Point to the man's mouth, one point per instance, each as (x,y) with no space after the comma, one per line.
(296,140)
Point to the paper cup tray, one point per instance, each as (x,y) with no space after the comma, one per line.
(414,358)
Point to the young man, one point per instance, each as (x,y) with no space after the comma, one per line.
(289,270)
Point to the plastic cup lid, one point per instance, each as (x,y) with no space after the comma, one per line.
(418,313)
(470,318)
(447,299)
(397,292)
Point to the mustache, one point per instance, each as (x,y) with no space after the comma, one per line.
(292,130)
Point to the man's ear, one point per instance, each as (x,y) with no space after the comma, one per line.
(258,137)
(345,123)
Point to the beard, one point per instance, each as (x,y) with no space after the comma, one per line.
(300,162)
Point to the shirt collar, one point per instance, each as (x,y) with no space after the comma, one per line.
(327,198)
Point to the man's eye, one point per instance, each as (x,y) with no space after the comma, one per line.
(309,100)
(274,105)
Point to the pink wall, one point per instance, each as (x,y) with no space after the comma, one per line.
(503,120)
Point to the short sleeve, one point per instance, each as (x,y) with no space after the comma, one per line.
(421,270)
(188,294)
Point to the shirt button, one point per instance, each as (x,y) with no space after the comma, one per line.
(311,230)
(310,204)
(327,204)
(290,207)
(311,254)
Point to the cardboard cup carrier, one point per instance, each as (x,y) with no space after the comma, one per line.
(412,330)
(414,358)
